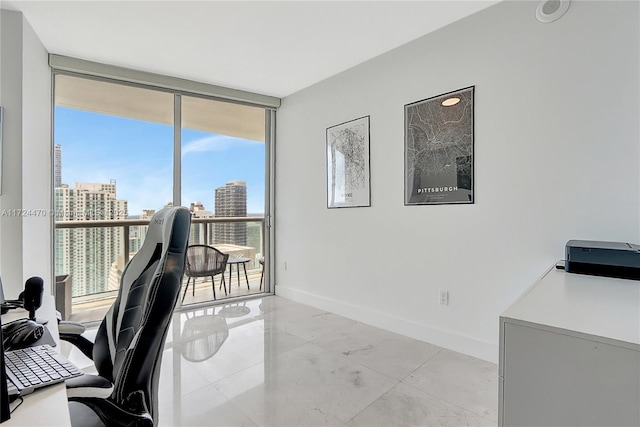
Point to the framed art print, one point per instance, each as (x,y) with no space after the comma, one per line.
(438,145)
(348,176)
(1,113)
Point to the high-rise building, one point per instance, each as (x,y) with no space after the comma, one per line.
(138,232)
(231,201)
(57,165)
(200,233)
(89,254)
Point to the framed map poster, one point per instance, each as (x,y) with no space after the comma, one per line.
(438,143)
(348,175)
(1,112)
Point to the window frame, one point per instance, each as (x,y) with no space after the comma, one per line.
(61,65)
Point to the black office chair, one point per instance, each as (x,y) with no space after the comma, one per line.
(128,346)
(205,261)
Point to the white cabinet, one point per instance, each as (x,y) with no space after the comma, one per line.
(570,353)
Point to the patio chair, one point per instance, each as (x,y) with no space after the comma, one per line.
(204,261)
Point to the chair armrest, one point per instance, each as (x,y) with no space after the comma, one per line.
(72,332)
(67,327)
(88,385)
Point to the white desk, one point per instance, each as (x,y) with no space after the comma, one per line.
(46,406)
(570,353)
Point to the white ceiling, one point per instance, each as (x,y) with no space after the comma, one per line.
(270,47)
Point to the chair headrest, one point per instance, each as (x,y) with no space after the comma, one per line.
(159,232)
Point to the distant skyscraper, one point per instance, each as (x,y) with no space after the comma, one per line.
(89,254)
(57,165)
(137,232)
(231,201)
(197,236)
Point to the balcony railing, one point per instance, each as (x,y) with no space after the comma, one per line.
(94,253)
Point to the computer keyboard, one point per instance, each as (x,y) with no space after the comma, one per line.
(34,367)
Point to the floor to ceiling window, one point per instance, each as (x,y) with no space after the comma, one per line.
(223,157)
(119,157)
(113,161)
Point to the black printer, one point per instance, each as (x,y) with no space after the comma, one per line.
(612,259)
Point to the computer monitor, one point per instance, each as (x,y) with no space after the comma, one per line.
(7,305)
(3,303)
(1,292)
(5,413)
(4,394)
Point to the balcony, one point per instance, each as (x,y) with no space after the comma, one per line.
(94,253)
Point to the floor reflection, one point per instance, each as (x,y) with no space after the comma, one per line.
(274,362)
(202,336)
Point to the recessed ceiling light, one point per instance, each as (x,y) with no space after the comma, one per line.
(450,101)
(551,10)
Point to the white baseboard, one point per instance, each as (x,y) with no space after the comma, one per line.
(437,336)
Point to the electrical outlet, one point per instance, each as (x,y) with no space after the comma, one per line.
(285,266)
(444,297)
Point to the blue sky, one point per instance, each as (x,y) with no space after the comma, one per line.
(139,156)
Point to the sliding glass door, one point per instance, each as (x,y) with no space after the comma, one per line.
(223,157)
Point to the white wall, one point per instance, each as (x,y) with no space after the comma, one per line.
(25,82)
(11,100)
(557,155)
(37,152)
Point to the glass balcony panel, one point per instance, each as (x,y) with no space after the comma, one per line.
(97,278)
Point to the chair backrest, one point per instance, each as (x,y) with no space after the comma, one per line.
(204,260)
(129,343)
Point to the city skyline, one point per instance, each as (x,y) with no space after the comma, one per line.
(95,257)
(138,155)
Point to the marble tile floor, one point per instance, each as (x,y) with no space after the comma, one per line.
(274,362)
